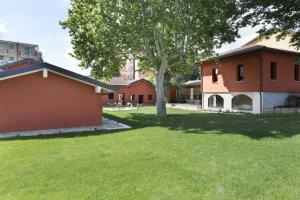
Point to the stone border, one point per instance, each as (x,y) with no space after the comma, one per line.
(108,124)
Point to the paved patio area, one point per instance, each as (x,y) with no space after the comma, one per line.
(122,108)
(184,106)
(108,124)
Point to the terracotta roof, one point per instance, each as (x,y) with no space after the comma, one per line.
(29,61)
(119,81)
(248,49)
(40,66)
(241,50)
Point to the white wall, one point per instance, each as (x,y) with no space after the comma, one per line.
(255,96)
(269,101)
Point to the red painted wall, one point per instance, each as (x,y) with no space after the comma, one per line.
(252,61)
(31,102)
(285,73)
(139,88)
(227,78)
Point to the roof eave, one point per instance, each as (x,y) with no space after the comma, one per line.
(72,75)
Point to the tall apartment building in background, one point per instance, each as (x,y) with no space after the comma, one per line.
(14,51)
(131,71)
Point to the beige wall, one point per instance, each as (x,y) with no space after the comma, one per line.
(273,43)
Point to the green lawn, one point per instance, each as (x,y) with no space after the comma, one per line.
(187,155)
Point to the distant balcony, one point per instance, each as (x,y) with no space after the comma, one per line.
(3,52)
(30,55)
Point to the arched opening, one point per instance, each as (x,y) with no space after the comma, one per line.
(215,101)
(242,102)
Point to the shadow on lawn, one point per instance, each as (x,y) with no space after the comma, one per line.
(253,126)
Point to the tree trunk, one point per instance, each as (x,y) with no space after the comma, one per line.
(161,110)
(160,96)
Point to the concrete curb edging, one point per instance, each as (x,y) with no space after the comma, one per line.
(108,124)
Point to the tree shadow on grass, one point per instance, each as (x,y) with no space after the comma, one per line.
(252,126)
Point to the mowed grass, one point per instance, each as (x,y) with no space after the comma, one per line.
(186,155)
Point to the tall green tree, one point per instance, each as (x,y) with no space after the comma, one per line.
(166,35)
(279,17)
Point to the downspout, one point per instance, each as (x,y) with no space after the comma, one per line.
(133,67)
(201,87)
(17,51)
(260,81)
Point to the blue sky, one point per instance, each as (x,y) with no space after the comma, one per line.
(37,22)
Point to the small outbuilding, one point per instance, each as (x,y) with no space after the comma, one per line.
(190,93)
(131,92)
(38,96)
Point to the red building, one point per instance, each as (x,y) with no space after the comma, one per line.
(139,91)
(253,78)
(43,96)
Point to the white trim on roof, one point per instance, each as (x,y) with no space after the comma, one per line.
(98,89)
(21,74)
(45,73)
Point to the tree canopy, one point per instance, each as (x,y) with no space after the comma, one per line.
(275,16)
(167,36)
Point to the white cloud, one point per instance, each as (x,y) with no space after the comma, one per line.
(71,60)
(43,50)
(247,34)
(72,64)
(68,2)
(3,28)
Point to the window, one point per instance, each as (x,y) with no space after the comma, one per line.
(214,75)
(11,58)
(242,102)
(215,101)
(1,58)
(149,97)
(111,96)
(11,46)
(1,46)
(240,72)
(26,51)
(273,70)
(296,73)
